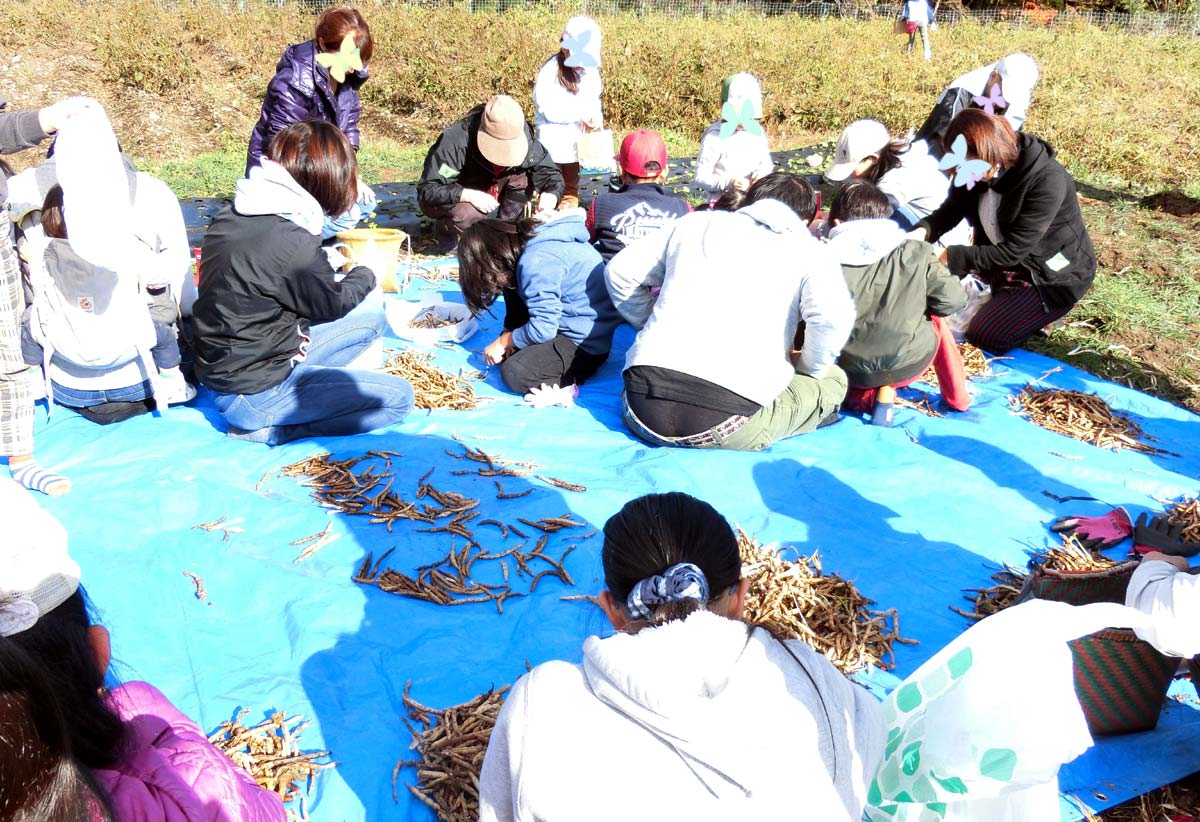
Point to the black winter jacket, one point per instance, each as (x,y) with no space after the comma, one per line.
(263,279)
(1045,240)
(454,163)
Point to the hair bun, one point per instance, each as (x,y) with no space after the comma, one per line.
(679,582)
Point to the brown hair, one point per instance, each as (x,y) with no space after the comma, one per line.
(335,24)
(54,224)
(488,252)
(989,138)
(321,159)
(887,159)
(568,76)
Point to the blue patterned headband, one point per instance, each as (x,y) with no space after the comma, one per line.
(681,581)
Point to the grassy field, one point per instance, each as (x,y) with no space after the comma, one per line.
(183,86)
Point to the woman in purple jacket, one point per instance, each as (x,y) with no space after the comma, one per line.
(304,89)
(131,753)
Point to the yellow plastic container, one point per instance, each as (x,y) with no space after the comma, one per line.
(378,249)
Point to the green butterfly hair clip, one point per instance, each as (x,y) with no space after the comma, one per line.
(732,119)
(343,60)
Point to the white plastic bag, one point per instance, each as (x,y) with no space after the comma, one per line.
(979,732)
(596,152)
(978,293)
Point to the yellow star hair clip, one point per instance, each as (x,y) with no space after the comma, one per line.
(343,60)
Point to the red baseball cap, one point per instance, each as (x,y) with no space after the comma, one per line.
(639,148)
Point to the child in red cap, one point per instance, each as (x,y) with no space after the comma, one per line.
(641,205)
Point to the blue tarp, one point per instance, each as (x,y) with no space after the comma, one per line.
(912,514)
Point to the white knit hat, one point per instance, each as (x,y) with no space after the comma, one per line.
(36,573)
(742,88)
(860,140)
(1018,76)
(576,26)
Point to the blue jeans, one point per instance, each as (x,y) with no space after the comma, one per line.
(321,398)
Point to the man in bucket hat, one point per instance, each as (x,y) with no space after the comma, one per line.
(487,164)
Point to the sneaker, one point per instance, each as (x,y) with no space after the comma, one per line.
(170,388)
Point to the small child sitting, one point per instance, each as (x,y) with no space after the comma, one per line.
(101,384)
(901,293)
(734,150)
(641,205)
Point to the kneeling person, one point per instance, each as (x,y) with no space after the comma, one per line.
(558,318)
(711,366)
(901,293)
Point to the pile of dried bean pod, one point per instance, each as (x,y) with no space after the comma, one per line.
(1187,514)
(1081,416)
(270,753)
(369,492)
(432,387)
(1072,556)
(448,581)
(796,600)
(451,743)
(988,601)
(975,364)
(431,319)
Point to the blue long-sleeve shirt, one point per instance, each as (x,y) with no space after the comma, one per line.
(560,276)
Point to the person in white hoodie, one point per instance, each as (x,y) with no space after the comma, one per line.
(566,98)
(1001,88)
(713,365)
(902,170)
(734,150)
(687,712)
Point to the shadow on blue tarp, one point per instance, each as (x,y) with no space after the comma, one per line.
(911,514)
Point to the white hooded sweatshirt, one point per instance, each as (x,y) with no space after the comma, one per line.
(734,287)
(705,718)
(1172,599)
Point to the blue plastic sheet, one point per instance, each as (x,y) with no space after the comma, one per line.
(912,514)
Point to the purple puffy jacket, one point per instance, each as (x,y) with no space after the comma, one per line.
(300,91)
(172,773)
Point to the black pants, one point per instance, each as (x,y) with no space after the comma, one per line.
(512,190)
(558,362)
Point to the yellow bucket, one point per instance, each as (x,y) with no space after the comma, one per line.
(376,248)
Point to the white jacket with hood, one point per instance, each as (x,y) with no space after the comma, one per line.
(735,285)
(699,719)
(558,112)
(1172,599)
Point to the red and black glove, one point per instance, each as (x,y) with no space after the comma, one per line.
(1096,533)
(1157,534)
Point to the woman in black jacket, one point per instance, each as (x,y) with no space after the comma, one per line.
(1031,245)
(274,330)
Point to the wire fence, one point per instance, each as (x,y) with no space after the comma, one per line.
(1144,23)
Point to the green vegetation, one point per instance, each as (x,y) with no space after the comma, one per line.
(183,84)
(1116,104)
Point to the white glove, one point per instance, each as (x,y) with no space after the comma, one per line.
(550,395)
(917,234)
(482,201)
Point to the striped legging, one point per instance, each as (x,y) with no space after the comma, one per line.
(16,403)
(1010,317)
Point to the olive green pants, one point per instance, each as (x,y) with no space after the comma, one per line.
(802,405)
